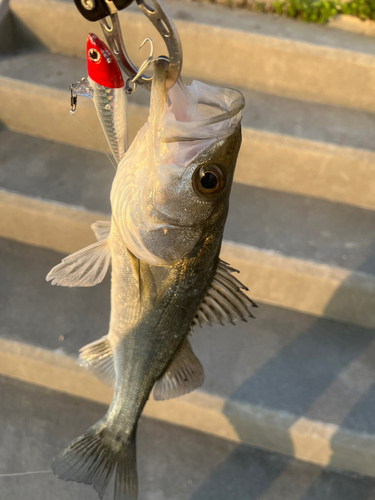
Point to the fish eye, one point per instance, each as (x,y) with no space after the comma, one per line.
(94,55)
(208,181)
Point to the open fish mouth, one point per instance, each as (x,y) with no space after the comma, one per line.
(197,112)
(214,108)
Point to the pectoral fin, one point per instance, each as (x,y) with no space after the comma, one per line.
(225,300)
(87,267)
(101,229)
(184,374)
(97,357)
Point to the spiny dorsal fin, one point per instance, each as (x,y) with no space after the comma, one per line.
(101,229)
(184,374)
(225,300)
(97,357)
(87,267)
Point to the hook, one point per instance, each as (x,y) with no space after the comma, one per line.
(143,67)
(165,26)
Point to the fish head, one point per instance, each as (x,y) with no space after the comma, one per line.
(171,190)
(102,67)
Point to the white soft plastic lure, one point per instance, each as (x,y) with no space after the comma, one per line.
(169,205)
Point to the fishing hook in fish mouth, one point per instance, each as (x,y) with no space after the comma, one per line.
(166,28)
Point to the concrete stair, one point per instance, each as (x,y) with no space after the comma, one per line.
(287,382)
(174,463)
(300,379)
(284,139)
(304,253)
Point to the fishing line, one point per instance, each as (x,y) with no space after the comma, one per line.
(96,140)
(26,473)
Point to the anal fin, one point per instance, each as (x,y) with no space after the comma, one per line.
(97,357)
(87,267)
(183,374)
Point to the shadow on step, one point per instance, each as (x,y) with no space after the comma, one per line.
(324,373)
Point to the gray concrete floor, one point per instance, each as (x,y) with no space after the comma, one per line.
(174,463)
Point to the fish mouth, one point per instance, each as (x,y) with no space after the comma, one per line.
(202,130)
(211,114)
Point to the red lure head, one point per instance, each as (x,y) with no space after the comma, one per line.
(102,67)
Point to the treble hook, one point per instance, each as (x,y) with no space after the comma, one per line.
(143,67)
(165,26)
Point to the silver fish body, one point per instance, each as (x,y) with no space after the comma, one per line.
(170,200)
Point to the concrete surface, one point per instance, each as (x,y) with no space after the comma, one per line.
(263,112)
(322,66)
(298,252)
(284,281)
(292,225)
(8,39)
(288,145)
(173,462)
(287,382)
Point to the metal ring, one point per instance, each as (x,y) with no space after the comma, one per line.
(165,26)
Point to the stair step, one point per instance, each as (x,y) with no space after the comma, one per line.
(288,145)
(240,48)
(298,252)
(291,225)
(173,462)
(286,382)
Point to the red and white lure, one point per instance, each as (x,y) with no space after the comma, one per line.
(106,87)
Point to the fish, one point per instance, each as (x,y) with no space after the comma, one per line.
(169,199)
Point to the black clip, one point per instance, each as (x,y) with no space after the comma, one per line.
(94,10)
(73,101)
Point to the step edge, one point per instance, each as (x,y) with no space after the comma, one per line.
(256,134)
(263,39)
(265,428)
(66,229)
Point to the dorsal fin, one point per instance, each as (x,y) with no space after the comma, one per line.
(101,229)
(183,374)
(87,267)
(225,300)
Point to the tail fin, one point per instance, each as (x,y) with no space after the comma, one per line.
(95,456)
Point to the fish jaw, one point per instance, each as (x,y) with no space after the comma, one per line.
(102,67)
